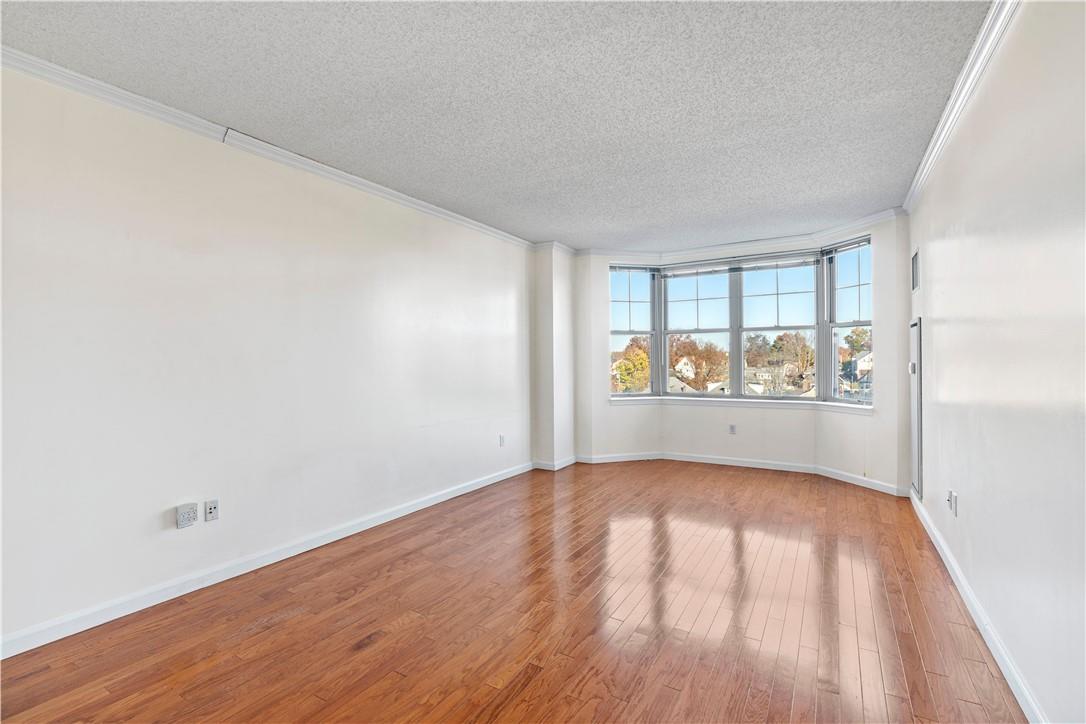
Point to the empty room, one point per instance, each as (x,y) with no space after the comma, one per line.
(543,361)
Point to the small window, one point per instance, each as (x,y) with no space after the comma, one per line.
(851,325)
(631,331)
(697,329)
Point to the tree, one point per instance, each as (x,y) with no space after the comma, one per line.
(793,347)
(630,370)
(757,350)
(709,361)
(859,340)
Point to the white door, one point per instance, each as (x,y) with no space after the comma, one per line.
(915,399)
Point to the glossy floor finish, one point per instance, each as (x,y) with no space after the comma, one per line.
(646,591)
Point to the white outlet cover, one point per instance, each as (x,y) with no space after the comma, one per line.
(211,510)
(186,515)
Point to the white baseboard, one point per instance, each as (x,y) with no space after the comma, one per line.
(619,457)
(557,465)
(752,463)
(58,628)
(1030,706)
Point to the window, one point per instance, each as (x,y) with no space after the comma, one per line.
(631,331)
(799,325)
(851,323)
(697,322)
(779,324)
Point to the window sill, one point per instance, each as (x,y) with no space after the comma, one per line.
(843,407)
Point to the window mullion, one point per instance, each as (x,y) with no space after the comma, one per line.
(735,338)
(659,338)
(824,339)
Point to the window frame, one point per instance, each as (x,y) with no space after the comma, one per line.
(666,331)
(652,334)
(798,259)
(825,323)
(832,324)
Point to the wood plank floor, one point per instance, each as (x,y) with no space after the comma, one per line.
(647,591)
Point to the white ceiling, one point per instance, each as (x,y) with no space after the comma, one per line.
(653,127)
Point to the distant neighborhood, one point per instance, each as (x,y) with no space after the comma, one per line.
(783,366)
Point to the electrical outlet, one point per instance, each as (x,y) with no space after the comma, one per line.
(501,440)
(186,515)
(211,510)
(731,429)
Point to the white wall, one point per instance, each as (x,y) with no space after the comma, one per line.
(184,320)
(866,446)
(999,225)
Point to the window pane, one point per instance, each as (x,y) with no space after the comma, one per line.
(797,309)
(848,266)
(640,286)
(865,264)
(760,311)
(620,286)
(779,364)
(682,315)
(685,287)
(620,315)
(640,316)
(854,363)
(865,301)
(698,363)
(848,304)
(712,285)
(630,364)
(760,281)
(796,279)
(712,313)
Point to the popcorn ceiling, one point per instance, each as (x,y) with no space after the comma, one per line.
(653,127)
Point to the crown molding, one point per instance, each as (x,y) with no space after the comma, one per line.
(991,33)
(556,245)
(34,66)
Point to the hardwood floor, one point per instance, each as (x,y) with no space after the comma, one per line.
(647,591)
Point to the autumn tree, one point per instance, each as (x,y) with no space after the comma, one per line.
(708,360)
(630,369)
(793,347)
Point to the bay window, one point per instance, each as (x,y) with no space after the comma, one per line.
(788,326)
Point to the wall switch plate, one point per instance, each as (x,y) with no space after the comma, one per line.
(954,502)
(501,440)
(186,515)
(211,510)
(731,429)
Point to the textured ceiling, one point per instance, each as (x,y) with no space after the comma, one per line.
(635,126)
